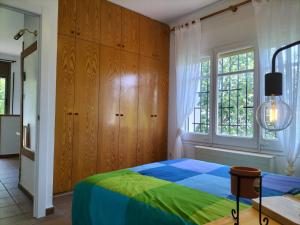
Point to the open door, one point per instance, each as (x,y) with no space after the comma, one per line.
(29,118)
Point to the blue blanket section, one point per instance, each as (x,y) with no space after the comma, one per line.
(212,178)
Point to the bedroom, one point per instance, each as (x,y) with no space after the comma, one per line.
(128,83)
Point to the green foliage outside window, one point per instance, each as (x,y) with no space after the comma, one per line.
(2,95)
(235,97)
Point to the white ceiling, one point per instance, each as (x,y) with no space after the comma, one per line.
(163,10)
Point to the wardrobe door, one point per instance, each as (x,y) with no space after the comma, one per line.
(128,110)
(88,20)
(67,17)
(111,24)
(130,31)
(147,36)
(86,110)
(162,111)
(109,109)
(64,114)
(164,42)
(146,110)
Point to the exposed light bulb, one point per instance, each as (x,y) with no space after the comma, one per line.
(274,114)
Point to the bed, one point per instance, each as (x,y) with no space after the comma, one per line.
(172,192)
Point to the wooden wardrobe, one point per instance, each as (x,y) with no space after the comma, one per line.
(112,90)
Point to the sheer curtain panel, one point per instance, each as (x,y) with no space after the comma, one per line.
(277,24)
(187,67)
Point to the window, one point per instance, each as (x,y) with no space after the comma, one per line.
(226,101)
(235,93)
(199,121)
(2,95)
(4,87)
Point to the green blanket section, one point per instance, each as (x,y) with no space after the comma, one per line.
(126,197)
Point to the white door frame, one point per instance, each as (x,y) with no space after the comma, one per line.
(44,156)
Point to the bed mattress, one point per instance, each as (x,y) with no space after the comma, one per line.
(183,191)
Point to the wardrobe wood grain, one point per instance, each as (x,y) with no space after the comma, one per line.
(164,43)
(86,110)
(109,109)
(128,110)
(64,114)
(146,110)
(146,36)
(88,20)
(67,17)
(111,16)
(162,111)
(130,31)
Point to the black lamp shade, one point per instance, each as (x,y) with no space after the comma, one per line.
(273,84)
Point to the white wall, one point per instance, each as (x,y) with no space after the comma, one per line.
(48,10)
(222,30)
(10,23)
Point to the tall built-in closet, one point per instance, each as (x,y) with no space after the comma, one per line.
(112,90)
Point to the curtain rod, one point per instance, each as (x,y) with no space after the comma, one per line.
(7,60)
(232,8)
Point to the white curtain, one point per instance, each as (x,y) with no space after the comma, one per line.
(278,24)
(187,67)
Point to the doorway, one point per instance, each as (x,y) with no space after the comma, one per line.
(19,72)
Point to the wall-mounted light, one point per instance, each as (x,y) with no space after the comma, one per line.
(274,114)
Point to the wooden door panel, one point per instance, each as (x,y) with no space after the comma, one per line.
(164,42)
(162,111)
(147,38)
(86,110)
(130,31)
(67,17)
(128,110)
(146,110)
(111,24)
(88,20)
(64,114)
(109,107)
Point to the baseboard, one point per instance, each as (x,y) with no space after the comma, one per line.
(50,211)
(9,156)
(27,193)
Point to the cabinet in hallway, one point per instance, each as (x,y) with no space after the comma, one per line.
(118,109)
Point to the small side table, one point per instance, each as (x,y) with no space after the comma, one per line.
(247,217)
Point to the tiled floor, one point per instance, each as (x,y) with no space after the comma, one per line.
(16,208)
(12,201)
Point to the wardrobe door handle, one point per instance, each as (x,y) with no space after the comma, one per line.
(72,31)
(121,114)
(123,46)
(76,114)
(78,33)
(119,45)
(117,114)
(69,113)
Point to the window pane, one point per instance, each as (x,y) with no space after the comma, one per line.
(2,95)
(199,119)
(236,94)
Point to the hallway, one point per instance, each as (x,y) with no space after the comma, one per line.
(13,202)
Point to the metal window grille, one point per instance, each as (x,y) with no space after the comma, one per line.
(235,93)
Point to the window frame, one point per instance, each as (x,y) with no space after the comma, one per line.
(7,90)
(212,138)
(200,137)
